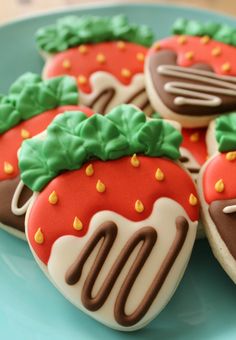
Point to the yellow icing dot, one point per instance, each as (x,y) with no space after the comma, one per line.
(205,40)
(226,67)
(89,171)
(135,162)
(53,198)
(82,80)
(157,46)
(8,168)
(77,224)
(159,175)
(219,186)
(231,156)
(216,51)
(24,134)
(100,186)
(182,40)
(125,73)
(194,137)
(121,45)
(101,59)
(140,56)
(66,64)
(38,236)
(193,200)
(189,55)
(139,207)
(83,49)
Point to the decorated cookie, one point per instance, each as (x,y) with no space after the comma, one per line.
(217,190)
(105,55)
(190,77)
(110,223)
(26,111)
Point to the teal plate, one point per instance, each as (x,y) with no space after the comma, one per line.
(204,305)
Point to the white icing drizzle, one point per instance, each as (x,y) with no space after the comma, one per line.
(196,93)
(229,209)
(14,203)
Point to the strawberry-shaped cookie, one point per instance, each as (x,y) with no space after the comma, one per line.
(105,55)
(29,107)
(217,188)
(113,218)
(190,77)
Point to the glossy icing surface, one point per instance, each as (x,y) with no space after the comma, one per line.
(78,197)
(194,140)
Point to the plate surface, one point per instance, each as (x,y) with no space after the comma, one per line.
(204,305)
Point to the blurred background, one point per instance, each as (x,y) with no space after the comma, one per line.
(13,9)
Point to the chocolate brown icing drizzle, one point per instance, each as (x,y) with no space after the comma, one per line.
(147,238)
(7,189)
(225,223)
(168,57)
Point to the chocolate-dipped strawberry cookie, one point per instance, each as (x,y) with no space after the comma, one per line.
(105,55)
(29,107)
(111,224)
(217,188)
(190,77)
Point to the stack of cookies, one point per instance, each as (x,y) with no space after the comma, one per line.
(109,156)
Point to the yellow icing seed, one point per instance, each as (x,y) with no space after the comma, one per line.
(8,168)
(83,49)
(101,59)
(25,134)
(205,40)
(139,207)
(89,171)
(38,236)
(77,224)
(182,40)
(216,51)
(189,55)
(219,186)
(193,200)
(100,186)
(140,56)
(157,47)
(125,73)
(53,198)
(135,162)
(231,156)
(66,64)
(194,137)
(82,80)
(121,45)
(226,67)
(159,175)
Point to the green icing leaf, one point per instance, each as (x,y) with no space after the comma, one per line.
(71,31)
(30,96)
(73,139)
(217,31)
(225,132)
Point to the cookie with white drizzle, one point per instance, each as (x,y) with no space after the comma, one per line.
(104,54)
(217,190)
(190,77)
(25,111)
(110,178)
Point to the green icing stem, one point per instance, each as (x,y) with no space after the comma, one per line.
(225,132)
(219,32)
(73,31)
(73,139)
(30,96)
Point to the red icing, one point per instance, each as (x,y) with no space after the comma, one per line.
(11,140)
(202,53)
(197,148)
(86,64)
(124,185)
(219,168)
